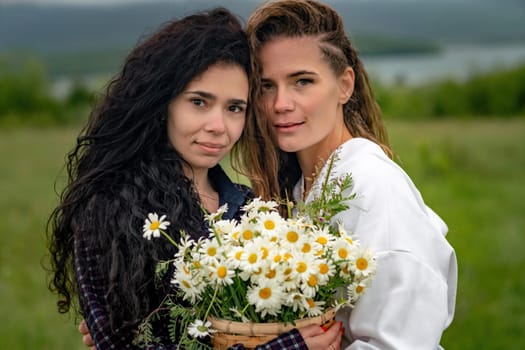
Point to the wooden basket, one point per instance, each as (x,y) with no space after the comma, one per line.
(253,334)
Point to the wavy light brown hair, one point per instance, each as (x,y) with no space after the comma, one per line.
(274,172)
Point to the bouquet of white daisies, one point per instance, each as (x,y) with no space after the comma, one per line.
(266,268)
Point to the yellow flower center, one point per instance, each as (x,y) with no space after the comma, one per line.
(277,258)
(361,264)
(287,256)
(359,289)
(211,251)
(221,271)
(322,240)
(252,258)
(306,248)
(311,303)
(247,235)
(271,274)
(312,281)
(343,253)
(292,236)
(154,225)
(197,264)
(301,267)
(185,269)
(323,269)
(186,284)
(265,252)
(265,293)
(238,255)
(269,225)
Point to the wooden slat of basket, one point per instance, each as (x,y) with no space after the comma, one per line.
(252,334)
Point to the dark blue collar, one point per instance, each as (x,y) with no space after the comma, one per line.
(235,195)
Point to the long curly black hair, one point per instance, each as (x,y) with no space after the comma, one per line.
(124,167)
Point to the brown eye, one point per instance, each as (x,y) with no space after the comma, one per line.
(266,86)
(199,102)
(304,82)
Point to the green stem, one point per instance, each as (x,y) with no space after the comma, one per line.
(169,238)
(211,302)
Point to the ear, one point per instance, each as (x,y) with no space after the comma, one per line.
(346,85)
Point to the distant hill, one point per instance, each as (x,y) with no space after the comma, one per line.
(100,35)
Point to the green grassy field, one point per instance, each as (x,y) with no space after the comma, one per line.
(471,172)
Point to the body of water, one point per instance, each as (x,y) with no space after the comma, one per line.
(455,62)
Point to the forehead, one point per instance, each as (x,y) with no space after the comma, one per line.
(285,53)
(215,76)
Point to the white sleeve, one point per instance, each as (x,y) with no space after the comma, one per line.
(411,299)
(407,307)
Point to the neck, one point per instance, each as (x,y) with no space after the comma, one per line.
(312,159)
(209,198)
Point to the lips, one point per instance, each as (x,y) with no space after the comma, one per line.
(288,126)
(211,147)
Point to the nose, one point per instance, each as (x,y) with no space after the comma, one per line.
(216,122)
(282,101)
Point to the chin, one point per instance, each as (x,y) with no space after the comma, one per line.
(286,147)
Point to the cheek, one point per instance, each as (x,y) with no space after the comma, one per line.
(239,127)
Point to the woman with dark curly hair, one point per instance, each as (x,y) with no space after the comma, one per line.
(153,144)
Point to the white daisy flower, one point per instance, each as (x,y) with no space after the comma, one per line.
(342,250)
(185,247)
(345,235)
(234,256)
(190,283)
(270,224)
(314,308)
(323,237)
(325,270)
(364,263)
(257,205)
(221,275)
(200,329)
(310,286)
(247,231)
(267,297)
(153,224)
(223,227)
(293,235)
(252,258)
(212,217)
(209,252)
(296,301)
(303,266)
(355,290)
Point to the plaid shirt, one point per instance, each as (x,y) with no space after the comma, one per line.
(291,340)
(92,285)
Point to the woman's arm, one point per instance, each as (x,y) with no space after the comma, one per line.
(308,338)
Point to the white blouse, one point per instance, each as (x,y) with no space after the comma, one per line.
(411,299)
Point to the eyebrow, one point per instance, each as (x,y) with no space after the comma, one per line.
(301,72)
(209,96)
(294,74)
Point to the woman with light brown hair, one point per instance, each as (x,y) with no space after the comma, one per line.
(312,97)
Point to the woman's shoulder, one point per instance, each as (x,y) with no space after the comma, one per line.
(245,190)
(364,158)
